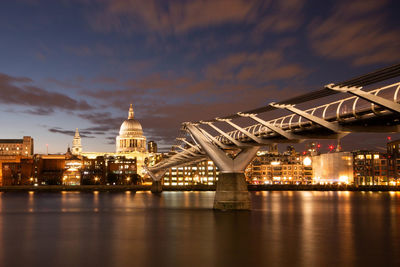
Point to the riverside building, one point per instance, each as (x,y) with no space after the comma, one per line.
(333,168)
(393,157)
(17,147)
(274,168)
(370,168)
(202,173)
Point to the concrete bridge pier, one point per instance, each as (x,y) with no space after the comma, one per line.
(156,186)
(231,192)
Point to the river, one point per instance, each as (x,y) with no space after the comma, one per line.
(285,228)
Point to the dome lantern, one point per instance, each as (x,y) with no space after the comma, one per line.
(131,113)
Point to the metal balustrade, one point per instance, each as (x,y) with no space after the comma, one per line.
(338,110)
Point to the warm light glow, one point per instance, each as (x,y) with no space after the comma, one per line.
(344,179)
(274,163)
(307,161)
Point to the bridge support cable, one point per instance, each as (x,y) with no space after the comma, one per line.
(213,139)
(182,156)
(326,124)
(196,147)
(231,192)
(277,130)
(383,102)
(192,137)
(245,132)
(186,150)
(235,142)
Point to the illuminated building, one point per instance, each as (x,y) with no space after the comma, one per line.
(333,168)
(94,170)
(121,170)
(72,172)
(130,144)
(274,168)
(130,138)
(16,170)
(311,148)
(393,157)
(76,144)
(49,169)
(14,147)
(152,147)
(204,172)
(370,168)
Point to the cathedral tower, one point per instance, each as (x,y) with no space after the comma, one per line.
(76,144)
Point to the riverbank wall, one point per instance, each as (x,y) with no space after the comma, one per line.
(121,188)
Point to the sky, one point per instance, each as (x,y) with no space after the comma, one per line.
(70,64)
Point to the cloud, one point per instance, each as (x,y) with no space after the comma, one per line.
(104,122)
(68,84)
(163,100)
(97,49)
(183,16)
(40,111)
(19,91)
(168,17)
(84,134)
(258,67)
(356,31)
(281,16)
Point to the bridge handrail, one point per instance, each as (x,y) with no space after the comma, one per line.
(238,135)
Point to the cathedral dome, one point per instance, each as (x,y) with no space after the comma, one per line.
(130,126)
(130,138)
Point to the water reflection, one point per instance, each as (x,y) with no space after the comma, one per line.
(181,229)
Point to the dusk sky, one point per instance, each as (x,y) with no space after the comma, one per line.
(69,64)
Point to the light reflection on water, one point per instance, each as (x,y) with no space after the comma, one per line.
(286,228)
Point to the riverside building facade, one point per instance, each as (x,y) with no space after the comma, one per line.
(370,168)
(393,150)
(201,173)
(275,168)
(17,147)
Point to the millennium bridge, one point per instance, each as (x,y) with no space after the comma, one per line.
(368,103)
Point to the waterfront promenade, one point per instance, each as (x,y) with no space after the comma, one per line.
(120,188)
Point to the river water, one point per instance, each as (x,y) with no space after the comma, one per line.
(285,228)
